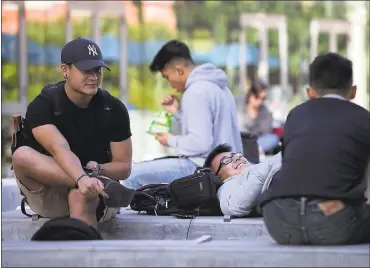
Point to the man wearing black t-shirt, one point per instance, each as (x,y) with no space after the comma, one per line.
(318,196)
(75,125)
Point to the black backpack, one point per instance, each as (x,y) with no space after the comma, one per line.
(154,199)
(193,195)
(65,229)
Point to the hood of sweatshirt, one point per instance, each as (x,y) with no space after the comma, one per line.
(207,72)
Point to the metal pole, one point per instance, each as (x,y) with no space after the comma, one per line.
(243,63)
(314,32)
(263,67)
(68,25)
(95,25)
(283,55)
(358,19)
(95,22)
(333,44)
(123,83)
(349,45)
(23,57)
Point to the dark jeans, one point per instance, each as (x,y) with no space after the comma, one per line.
(301,222)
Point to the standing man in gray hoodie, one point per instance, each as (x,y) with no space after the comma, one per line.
(206,115)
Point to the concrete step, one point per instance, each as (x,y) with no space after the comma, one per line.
(10,195)
(257,252)
(131,225)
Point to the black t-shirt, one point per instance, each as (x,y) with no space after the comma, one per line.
(326,149)
(89,130)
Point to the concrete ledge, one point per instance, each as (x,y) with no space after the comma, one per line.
(10,195)
(260,252)
(130,225)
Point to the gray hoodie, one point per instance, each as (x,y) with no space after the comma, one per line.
(239,194)
(208,114)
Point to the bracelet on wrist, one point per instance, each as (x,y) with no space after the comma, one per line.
(80,177)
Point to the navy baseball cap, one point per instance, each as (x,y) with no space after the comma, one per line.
(83,53)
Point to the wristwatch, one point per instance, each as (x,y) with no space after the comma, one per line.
(97,171)
(100,170)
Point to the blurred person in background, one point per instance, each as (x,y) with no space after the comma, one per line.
(257,119)
(206,115)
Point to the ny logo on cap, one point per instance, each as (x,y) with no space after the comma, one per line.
(92,49)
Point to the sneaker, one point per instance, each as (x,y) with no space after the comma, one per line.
(119,195)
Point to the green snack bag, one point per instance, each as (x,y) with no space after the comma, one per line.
(161,123)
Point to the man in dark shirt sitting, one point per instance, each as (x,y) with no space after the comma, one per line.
(74,125)
(318,196)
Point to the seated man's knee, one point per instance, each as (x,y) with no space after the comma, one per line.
(80,204)
(21,156)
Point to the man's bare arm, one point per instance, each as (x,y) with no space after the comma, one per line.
(54,142)
(120,167)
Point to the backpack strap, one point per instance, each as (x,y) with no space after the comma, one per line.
(34,217)
(55,93)
(57,98)
(23,207)
(106,99)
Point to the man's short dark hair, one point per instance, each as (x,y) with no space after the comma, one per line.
(331,72)
(170,51)
(65,229)
(222,148)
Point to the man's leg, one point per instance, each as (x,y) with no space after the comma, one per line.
(46,185)
(362,230)
(331,222)
(159,171)
(34,170)
(340,225)
(83,208)
(282,219)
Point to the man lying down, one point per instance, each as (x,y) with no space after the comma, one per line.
(243,183)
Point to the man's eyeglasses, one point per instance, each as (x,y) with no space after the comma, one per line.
(227,160)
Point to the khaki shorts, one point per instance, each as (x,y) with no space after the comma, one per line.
(52,202)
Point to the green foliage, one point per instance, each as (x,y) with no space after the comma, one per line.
(144,89)
(200,24)
(52,32)
(211,14)
(154,30)
(109,25)
(9,83)
(220,29)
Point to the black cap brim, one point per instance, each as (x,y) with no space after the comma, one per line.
(86,65)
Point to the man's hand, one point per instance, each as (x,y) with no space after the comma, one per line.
(171,104)
(92,165)
(91,187)
(162,137)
